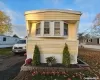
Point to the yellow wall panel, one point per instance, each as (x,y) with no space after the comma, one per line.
(52,16)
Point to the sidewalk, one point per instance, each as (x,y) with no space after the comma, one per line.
(91,47)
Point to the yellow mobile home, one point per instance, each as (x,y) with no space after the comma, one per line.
(50,30)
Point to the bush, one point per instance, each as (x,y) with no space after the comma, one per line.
(66,56)
(36,56)
(51,60)
(28,61)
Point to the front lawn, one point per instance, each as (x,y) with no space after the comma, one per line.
(5,51)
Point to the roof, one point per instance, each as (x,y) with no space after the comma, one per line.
(5,35)
(8,36)
(50,10)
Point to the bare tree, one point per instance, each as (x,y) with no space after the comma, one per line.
(96,26)
(97,20)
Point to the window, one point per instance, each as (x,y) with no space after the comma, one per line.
(87,40)
(4,39)
(97,40)
(38,28)
(57,28)
(51,29)
(65,29)
(91,40)
(21,42)
(46,28)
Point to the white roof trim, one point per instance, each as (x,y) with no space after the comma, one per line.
(58,10)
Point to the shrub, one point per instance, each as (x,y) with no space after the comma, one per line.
(28,61)
(66,56)
(36,56)
(51,60)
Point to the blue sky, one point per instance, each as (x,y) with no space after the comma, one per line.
(16,8)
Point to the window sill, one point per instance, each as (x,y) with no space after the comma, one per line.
(51,36)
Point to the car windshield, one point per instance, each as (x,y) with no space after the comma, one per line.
(21,42)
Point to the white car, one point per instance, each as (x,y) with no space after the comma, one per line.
(20,46)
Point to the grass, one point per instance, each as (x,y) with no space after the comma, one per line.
(5,51)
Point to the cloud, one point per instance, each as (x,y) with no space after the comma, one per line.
(89,4)
(54,2)
(15,17)
(86,22)
(20,30)
(85,15)
(85,27)
(89,9)
(13,14)
(88,16)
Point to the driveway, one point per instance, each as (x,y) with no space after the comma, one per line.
(10,66)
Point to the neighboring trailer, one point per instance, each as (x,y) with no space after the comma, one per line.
(92,41)
(7,41)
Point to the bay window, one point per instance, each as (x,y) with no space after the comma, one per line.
(37,28)
(57,28)
(65,29)
(52,29)
(46,28)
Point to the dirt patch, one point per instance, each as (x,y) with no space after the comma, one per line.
(92,57)
(24,75)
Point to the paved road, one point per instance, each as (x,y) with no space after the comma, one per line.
(10,67)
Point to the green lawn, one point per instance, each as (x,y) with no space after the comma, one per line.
(5,51)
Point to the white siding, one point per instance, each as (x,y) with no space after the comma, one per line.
(10,41)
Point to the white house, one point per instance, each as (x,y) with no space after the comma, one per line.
(7,41)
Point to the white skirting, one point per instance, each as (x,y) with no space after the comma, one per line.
(58,57)
(73,57)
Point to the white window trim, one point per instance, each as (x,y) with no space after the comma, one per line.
(62,28)
(51,29)
(54,28)
(42,28)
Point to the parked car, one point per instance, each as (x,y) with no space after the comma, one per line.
(19,47)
